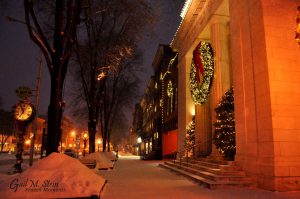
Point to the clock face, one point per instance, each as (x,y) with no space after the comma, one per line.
(23,111)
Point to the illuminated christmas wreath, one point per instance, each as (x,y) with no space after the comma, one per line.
(202,71)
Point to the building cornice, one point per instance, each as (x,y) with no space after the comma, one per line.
(197,17)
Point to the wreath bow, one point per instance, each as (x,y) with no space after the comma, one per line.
(198,63)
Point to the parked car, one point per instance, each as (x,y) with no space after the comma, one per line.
(70,152)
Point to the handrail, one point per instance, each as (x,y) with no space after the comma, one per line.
(196,144)
(186,150)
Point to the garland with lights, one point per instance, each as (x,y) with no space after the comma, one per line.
(297,37)
(190,135)
(202,71)
(224,137)
(170,89)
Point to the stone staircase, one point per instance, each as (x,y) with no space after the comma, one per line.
(210,173)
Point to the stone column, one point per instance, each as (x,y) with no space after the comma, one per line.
(222,70)
(203,129)
(186,107)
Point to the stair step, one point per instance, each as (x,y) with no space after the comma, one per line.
(211,176)
(217,171)
(225,167)
(207,182)
(222,170)
(216,161)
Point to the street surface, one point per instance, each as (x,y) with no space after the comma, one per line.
(137,179)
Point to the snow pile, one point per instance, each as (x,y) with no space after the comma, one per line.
(102,162)
(110,155)
(56,176)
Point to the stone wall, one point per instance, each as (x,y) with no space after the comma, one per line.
(265,61)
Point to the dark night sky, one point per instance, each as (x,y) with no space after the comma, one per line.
(19,56)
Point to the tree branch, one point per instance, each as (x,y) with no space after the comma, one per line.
(36,39)
(38,27)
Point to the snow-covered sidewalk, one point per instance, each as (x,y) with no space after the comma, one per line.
(133,178)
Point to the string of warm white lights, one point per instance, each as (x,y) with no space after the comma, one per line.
(183,12)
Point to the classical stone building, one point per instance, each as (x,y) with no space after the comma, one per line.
(256,53)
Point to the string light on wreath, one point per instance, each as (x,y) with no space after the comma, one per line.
(202,71)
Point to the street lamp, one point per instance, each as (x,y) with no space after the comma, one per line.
(27,142)
(85,138)
(99,142)
(139,141)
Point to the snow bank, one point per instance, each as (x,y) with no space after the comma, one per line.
(102,162)
(110,155)
(56,176)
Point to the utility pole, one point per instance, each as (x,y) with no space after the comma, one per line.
(35,123)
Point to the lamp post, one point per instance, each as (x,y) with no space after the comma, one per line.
(85,138)
(73,134)
(99,142)
(139,141)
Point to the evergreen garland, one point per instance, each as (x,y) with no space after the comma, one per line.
(190,135)
(224,137)
(204,56)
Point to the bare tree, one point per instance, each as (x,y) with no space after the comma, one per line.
(57,55)
(107,40)
(121,90)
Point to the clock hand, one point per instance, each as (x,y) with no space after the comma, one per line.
(22,109)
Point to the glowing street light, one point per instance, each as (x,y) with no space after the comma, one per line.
(85,138)
(99,141)
(139,140)
(27,142)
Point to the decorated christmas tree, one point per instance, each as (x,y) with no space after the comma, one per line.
(224,137)
(190,135)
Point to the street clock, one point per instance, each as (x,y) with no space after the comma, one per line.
(24,112)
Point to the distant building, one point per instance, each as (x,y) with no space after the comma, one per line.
(155,117)
(136,128)
(9,132)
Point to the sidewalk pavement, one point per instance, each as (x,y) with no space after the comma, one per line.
(7,162)
(134,178)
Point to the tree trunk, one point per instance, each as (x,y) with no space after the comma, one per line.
(2,143)
(92,125)
(104,141)
(108,141)
(54,115)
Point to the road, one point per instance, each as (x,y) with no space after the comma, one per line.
(137,179)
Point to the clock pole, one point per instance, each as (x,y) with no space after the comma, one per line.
(24,113)
(19,158)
